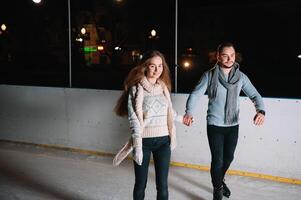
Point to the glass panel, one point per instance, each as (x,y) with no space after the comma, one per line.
(109,36)
(265,33)
(34,43)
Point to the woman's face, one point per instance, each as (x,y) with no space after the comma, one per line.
(154,68)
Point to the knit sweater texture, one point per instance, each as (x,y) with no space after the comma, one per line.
(216,106)
(150,114)
(152,105)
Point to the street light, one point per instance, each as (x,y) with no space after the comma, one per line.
(3,27)
(79,39)
(36,1)
(119,2)
(188,58)
(100,48)
(117,48)
(153,33)
(83,31)
(186,64)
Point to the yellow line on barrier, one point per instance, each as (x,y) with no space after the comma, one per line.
(176,164)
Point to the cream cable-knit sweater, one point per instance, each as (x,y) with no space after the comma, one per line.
(150,115)
(148,112)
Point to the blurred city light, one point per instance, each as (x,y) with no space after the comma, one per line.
(79,39)
(188,58)
(83,31)
(90,49)
(3,27)
(153,33)
(36,1)
(117,48)
(186,64)
(100,48)
(136,55)
(299,56)
(119,2)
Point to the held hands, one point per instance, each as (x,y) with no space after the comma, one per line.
(258,119)
(187,120)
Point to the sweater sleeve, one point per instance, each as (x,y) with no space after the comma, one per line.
(196,94)
(135,126)
(177,117)
(252,93)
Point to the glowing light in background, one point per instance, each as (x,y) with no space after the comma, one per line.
(83,31)
(79,39)
(90,49)
(153,33)
(186,64)
(100,48)
(36,1)
(3,27)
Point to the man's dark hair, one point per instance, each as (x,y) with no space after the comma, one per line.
(221,46)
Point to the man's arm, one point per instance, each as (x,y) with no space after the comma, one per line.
(256,98)
(194,98)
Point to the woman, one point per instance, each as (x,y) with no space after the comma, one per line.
(146,101)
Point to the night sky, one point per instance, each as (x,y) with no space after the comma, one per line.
(266,33)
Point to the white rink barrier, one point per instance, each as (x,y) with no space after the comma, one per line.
(84,119)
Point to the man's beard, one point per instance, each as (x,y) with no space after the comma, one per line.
(227,67)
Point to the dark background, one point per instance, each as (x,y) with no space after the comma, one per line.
(34,48)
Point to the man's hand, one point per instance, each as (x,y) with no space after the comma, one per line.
(187,120)
(258,119)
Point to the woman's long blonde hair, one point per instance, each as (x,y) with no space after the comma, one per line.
(134,77)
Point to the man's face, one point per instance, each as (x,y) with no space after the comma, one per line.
(227,57)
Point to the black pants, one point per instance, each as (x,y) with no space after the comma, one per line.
(222,142)
(160,148)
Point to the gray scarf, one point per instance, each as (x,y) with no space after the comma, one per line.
(231,114)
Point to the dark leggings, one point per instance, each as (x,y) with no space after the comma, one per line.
(160,148)
(222,142)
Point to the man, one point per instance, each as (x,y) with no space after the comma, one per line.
(223,84)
